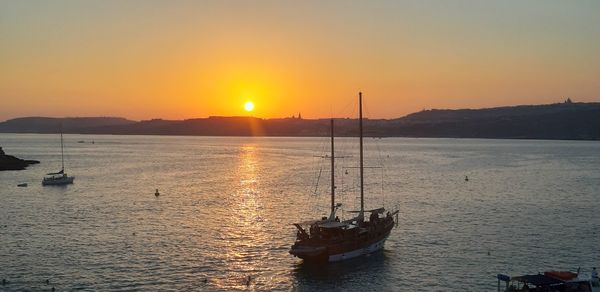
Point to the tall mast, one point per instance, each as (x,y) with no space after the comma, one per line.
(332,175)
(62,153)
(360,128)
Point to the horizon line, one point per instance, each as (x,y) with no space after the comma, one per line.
(566,101)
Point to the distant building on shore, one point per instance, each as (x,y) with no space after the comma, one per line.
(296,118)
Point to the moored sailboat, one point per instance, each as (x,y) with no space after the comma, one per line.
(331,239)
(60,177)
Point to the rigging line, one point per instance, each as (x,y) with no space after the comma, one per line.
(315,203)
(343,192)
(382,192)
(380,158)
(345,109)
(318,179)
(340,195)
(381,162)
(320,169)
(343,146)
(324,139)
(385,178)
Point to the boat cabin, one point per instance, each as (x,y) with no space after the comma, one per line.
(325,230)
(55,175)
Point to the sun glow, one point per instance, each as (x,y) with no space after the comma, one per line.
(249,106)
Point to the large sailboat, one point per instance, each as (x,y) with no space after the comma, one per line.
(330,239)
(60,177)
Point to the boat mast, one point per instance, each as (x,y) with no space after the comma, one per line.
(332,175)
(360,128)
(62,153)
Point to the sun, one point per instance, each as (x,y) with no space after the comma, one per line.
(249,106)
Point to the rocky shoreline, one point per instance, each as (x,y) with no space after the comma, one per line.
(9,162)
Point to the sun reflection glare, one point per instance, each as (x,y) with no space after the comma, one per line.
(244,251)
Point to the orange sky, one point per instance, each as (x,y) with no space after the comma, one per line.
(184,59)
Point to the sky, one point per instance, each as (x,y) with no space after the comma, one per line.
(188,59)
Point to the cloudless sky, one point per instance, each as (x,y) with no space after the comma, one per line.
(183,59)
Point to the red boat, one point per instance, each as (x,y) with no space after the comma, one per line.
(551,281)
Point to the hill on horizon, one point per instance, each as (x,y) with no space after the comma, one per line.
(53,125)
(567,120)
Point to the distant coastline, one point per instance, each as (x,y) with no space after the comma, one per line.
(559,121)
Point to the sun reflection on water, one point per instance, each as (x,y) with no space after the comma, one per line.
(245,238)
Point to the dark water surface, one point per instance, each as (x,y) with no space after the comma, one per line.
(227,204)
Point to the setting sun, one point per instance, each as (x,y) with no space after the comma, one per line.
(249,106)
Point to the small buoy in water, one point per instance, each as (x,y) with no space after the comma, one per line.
(466,178)
(47,281)
(489,252)
(157,193)
(3,281)
(53,289)
(205,280)
(248,280)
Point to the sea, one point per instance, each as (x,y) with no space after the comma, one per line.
(469,209)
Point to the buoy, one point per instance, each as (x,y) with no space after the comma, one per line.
(3,281)
(47,281)
(157,193)
(466,178)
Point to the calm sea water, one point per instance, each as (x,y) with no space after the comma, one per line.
(227,204)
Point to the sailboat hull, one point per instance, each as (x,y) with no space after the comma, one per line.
(359,252)
(58,181)
(322,254)
(346,249)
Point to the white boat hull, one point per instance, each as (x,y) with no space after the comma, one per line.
(58,181)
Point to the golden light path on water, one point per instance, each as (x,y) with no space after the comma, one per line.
(245,254)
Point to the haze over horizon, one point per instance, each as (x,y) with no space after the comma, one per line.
(186,59)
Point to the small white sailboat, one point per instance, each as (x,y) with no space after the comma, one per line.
(58,178)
